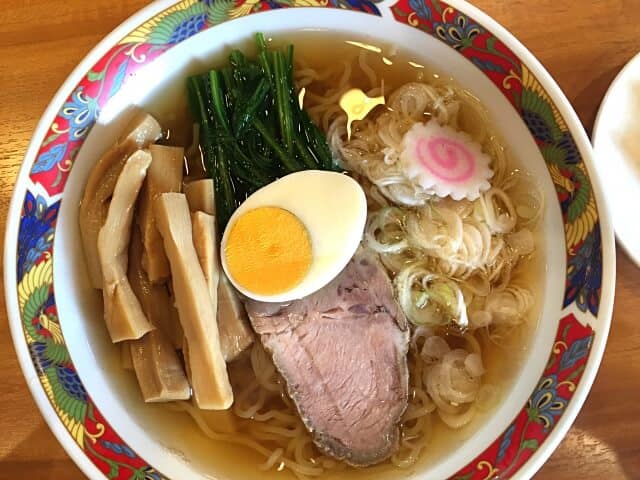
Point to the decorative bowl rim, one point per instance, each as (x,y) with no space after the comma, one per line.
(550,87)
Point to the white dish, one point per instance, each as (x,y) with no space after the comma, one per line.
(616,143)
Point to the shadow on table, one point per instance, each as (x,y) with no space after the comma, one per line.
(38,456)
(604,442)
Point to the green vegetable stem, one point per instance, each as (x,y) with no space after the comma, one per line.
(252,128)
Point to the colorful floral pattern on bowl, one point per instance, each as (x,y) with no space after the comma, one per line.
(55,156)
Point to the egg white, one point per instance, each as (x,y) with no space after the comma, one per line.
(333,208)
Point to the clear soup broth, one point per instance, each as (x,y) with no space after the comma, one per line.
(327,63)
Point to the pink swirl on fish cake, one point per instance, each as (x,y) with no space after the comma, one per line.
(447,159)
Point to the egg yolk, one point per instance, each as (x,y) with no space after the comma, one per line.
(268,251)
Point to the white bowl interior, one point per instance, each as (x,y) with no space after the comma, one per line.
(168,440)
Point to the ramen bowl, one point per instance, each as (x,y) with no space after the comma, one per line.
(93,406)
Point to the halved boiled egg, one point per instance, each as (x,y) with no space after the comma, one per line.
(293,236)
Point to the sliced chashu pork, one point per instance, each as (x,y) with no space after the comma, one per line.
(139,133)
(122,311)
(204,360)
(342,352)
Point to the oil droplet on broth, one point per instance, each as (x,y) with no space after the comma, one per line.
(365,46)
(303,90)
(357,105)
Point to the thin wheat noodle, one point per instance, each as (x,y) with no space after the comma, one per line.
(476,245)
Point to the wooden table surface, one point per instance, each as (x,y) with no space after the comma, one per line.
(583,44)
